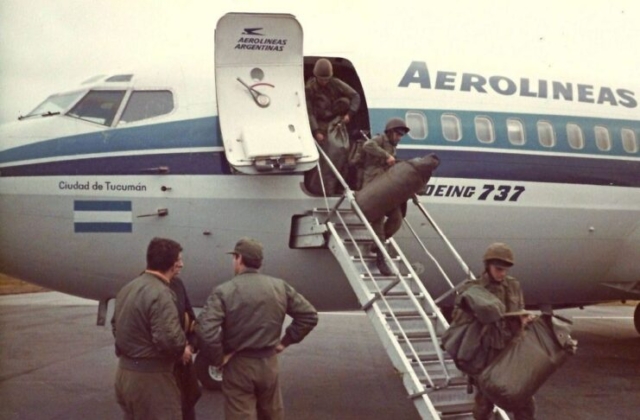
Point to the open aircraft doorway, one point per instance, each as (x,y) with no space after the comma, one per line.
(344,70)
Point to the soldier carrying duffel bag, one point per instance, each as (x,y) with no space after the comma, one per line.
(388,185)
(508,353)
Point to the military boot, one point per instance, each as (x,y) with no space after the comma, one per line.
(382,264)
(391,250)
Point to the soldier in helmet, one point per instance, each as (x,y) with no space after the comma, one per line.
(498,259)
(331,104)
(379,154)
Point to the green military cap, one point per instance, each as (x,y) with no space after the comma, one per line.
(248,248)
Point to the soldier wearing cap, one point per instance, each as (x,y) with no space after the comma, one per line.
(331,103)
(239,329)
(379,155)
(498,259)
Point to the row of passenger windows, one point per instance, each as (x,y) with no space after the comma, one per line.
(485,132)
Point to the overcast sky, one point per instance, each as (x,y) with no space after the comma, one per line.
(54,45)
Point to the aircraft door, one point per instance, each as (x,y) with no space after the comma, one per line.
(260,93)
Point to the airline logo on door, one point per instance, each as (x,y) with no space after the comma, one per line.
(254,39)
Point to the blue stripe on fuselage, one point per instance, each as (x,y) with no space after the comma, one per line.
(201,163)
(454,164)
(202,132)
(457,162)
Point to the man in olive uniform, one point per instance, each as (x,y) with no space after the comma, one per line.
(379,155)
(331,104)
(149,337)
(498,259)
(240,327)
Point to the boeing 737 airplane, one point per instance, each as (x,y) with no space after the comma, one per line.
(549,164)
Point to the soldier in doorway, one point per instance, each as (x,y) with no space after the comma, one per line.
(331,104)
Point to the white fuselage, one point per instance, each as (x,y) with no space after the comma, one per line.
(572,215)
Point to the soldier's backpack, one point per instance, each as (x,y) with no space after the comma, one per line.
(471,334)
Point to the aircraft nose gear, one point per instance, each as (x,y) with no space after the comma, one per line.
(259,98)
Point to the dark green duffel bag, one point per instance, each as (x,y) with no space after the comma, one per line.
(527,362)
(395,186)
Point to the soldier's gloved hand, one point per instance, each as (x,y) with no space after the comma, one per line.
(391,161)
(526,319)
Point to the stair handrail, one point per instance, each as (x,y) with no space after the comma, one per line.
(452,288)
(350,196)
(439,231)
(380,296)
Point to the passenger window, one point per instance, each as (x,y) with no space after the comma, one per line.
(546,135)
(417,123)
(629,140)
(515,132)
(98,106)
(575,136)
(147,104)
(603,140)
(484,130)
(451,128)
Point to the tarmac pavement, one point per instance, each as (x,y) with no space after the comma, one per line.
(55,363)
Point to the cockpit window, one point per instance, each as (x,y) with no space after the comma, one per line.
(120,78)
(56,104)
(147,104)
(98,106)
(93,79)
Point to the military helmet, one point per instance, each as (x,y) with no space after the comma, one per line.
(396,124)
(323,68)
(500,252)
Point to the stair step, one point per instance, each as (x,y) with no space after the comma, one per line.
(424,348)
(349,216)
(369,262)
(360,247)
(382,282)
(414,326)
(402,304)
(453,399)
(401,315)
(437,373)
(457,416)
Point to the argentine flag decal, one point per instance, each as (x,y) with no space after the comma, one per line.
(102,216)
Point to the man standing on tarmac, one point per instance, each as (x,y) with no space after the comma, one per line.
(379,155)
(240,327)
(149,337)
(498,259)
(331,104)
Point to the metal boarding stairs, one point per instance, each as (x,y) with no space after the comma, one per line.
(403,313)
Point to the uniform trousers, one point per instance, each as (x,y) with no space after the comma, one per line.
(251,389)
(148,395)
(386,226)
(336,146)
